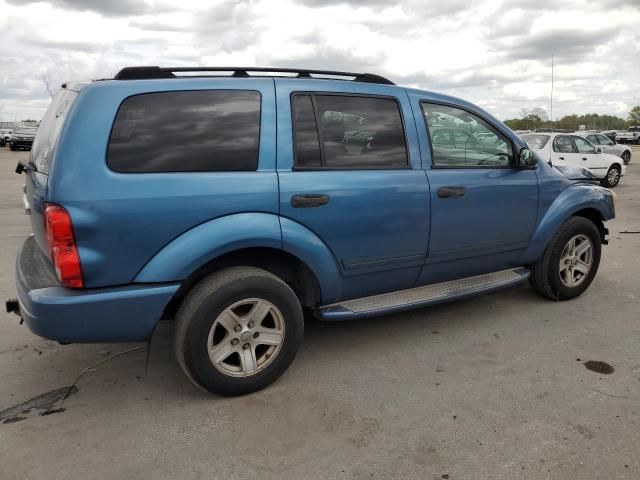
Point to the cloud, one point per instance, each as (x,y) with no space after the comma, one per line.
(111,8)
(492,52)
(566,44)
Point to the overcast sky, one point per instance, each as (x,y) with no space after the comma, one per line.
(495,53)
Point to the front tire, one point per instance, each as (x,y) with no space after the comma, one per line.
(238,330)
(12,148)
(612,178)
(570,261)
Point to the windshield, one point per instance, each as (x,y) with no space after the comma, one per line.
(26,131)
(537,142)
(633,129)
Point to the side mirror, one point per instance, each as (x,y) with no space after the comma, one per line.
(526,159)
(598,150)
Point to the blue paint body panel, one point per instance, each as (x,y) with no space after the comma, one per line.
(120,314)
(122,221)
(141,235)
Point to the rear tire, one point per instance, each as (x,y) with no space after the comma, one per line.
(612,178)
(563,274)
(222,322)
(12,148)
(626,157)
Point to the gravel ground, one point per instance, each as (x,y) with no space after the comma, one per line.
(490,387)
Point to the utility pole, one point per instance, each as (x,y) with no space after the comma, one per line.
(551,99)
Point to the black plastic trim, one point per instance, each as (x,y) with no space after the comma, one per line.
(155,72)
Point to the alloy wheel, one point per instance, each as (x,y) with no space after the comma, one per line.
(576,261)
(613,176)
(246,337)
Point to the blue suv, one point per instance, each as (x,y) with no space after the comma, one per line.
(232,200)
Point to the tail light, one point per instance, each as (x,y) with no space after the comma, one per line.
(62,245)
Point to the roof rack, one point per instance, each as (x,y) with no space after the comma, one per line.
(151,72)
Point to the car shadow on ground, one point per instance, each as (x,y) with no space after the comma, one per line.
(120,381)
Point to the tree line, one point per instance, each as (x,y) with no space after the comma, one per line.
(530,119)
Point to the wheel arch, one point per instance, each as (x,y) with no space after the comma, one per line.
(597,218)
(284,265)
(585,201)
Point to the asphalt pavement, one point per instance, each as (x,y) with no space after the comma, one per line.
(493,387)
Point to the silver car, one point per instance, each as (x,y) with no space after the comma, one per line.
(607,145)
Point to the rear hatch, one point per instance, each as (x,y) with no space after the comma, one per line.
(40,161)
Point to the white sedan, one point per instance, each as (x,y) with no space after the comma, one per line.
(572,149)
(608,146)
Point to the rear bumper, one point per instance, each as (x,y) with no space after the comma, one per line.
(120,314)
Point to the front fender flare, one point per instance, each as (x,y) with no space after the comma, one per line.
(571,200)
(194,248)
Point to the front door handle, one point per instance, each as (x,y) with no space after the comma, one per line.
(451,192)
(560,158)
(309,201)
(585,158)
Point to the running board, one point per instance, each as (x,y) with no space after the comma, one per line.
(421,296)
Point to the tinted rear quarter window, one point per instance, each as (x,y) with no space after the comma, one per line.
(186,131)
(49,129)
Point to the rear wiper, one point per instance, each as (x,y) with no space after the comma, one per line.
(23,166)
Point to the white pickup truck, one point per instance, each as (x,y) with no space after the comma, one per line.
(630,135)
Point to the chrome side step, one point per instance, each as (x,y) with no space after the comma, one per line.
(421,296)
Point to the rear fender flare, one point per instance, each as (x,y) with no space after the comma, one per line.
(196,247)
(208,241)
(301,242)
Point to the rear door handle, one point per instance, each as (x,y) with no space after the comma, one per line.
(585,158)
(309,201)
(451,192)
(560,158)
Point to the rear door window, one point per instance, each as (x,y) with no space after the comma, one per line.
(563,144)
(348,132)
(307,143)
(186,131)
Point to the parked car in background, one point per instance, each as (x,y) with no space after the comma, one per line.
(574,149)
(5,134)
(550,130)
(607,145)
(22,138)
(610,134)
(346,196)
(630,135)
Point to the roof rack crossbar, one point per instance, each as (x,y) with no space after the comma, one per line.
(155,72)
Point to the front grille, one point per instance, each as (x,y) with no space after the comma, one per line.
(34,268)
